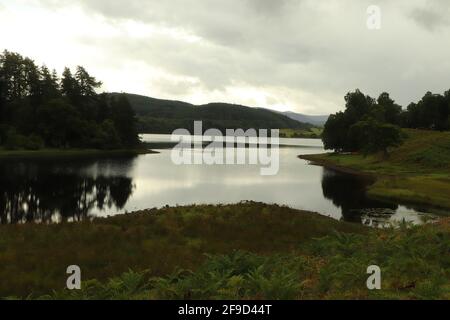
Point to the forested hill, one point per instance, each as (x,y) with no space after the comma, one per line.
(164,116)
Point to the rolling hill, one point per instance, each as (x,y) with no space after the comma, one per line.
(315,120)
(164,116)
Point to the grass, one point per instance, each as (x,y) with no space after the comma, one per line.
(431,190)
(34,258)
(417,172)
(414,264)
(243,251)
(312,133)
(4,153)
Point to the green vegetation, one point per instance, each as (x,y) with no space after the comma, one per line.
(365,125)
(165,116)
(158,240)
(417,172)
(312,133)
(244,251)
(38,110)
(370,125)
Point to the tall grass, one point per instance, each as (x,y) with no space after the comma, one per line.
(34,258)
(414,261)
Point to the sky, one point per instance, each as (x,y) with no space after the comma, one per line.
(286,55)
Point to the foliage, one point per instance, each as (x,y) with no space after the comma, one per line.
(415,172)
(369,125)
(42,111)
(335,133)
(313,133)
(414,264)
(431,112)
(372,136)
(156,240)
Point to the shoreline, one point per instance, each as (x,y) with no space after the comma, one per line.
(314,160)
(391,187)
(26,154)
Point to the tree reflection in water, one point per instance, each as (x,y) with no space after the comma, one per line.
(349,193)
(63,190)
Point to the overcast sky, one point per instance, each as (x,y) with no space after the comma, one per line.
(298,55)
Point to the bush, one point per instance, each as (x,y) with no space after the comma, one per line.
(106,136)
(372,136)
(15,140)
(34,142)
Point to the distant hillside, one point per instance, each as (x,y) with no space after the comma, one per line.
(315,120)
(164,116)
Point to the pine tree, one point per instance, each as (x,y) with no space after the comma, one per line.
(49,84)
(33,83)
(86,83)
(14,75)
(69,86)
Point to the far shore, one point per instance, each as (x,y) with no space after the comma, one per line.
(70,152)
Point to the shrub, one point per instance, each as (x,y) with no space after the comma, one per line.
(34,142)
(15,140)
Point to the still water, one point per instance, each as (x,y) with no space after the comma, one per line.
(52,190)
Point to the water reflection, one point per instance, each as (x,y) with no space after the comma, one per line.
(349,193)
(64,190)
(53,191)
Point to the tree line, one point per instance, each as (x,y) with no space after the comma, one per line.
(39,108)
(372,125)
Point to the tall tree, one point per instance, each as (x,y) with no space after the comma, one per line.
(49,84)
(374,136)
(33,81)
(391,110)
(365,124)
(357,105)
(124,121)
(334,135)
(69,86)
(86,83)
(14,75)
(412,116)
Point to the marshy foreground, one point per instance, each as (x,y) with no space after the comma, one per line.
(243,251)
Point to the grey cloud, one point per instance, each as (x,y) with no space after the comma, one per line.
(432,15)
(320,48)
